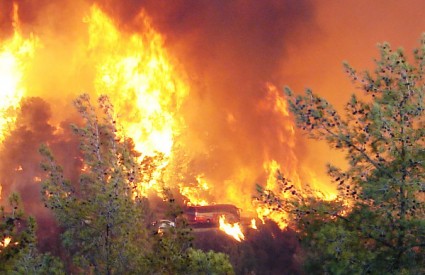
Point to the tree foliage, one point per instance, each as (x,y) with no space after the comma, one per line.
(102,215)
(18,252)
(173,253)
(377,224)
(169,253)
(105,218)
(210,262)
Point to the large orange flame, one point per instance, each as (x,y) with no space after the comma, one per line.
(196,193)
(234,230)
(148,92)
(14,56)
(136,73)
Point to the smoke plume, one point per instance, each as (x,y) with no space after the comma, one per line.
(230,52)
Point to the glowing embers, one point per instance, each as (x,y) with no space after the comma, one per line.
(6,242)
(231,229)
(15,53)
(253,224)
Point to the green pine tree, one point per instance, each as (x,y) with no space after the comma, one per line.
(383,135)
(103,215)
(20,255)
(208,263)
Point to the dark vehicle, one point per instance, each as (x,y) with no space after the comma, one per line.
(210,214)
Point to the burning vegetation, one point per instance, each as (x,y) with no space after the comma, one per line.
(170,119)
(16,52)
(153,97)
(159,103)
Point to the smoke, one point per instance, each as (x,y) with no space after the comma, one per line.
(6,8)
(20,162)
(231,53)
(19,157)
(230,50)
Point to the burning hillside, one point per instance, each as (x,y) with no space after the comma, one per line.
(195,89)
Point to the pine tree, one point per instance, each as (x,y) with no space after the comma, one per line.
(210,262)
(18,251)
(103,215)
(382,230)
(169,253)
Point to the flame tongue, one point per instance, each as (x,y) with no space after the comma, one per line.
(148,92)
(135,71)
(14,55)
(6,242)
(195,193)
(137,74)
(253,224)
(233,230)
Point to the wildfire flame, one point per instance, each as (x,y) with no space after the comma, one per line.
(14,56)
(135,71)
(281,217)
(6,242)
(148,92)
(253,224)
(263,211)
(233,230)
(195,193)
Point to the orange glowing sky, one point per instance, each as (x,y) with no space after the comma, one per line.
(348,31)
